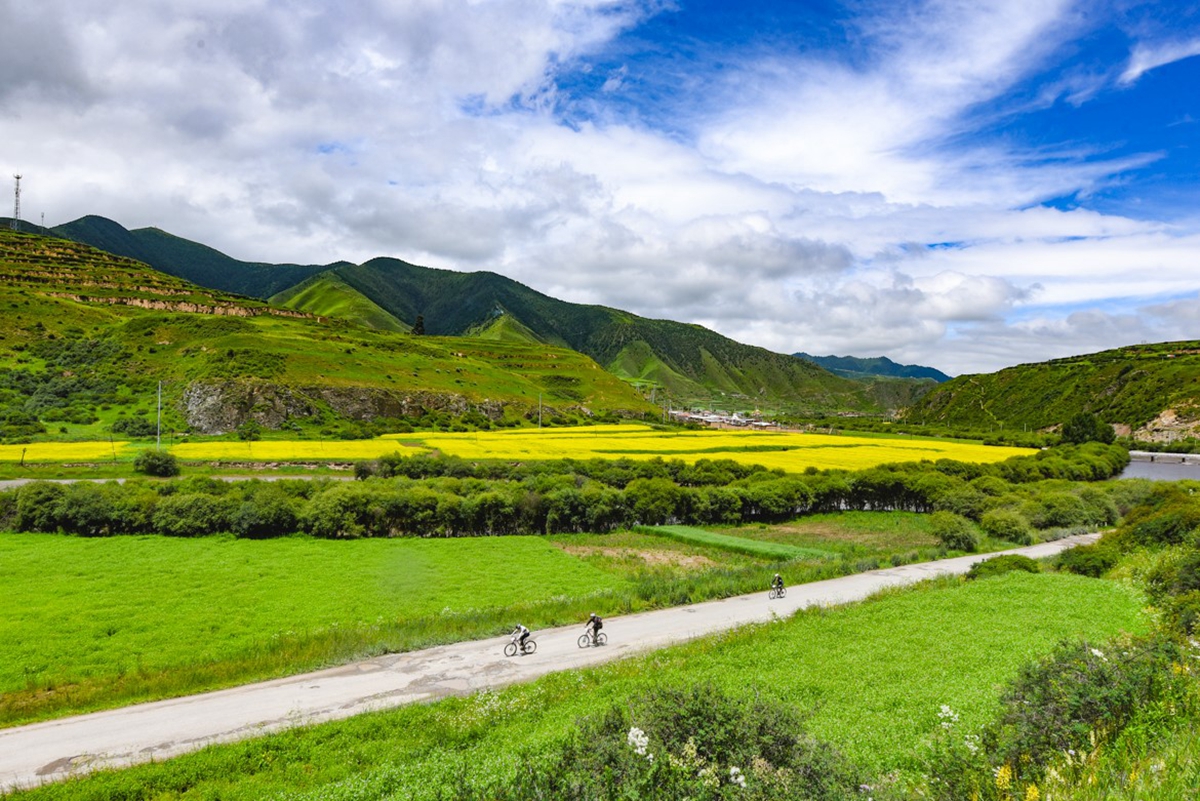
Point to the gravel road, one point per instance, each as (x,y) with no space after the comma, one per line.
(31,755)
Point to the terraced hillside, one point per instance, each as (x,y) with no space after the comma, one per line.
(86,336)
(1152,391)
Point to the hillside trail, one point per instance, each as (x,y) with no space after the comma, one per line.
(54,750)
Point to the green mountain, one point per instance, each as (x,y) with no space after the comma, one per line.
(878,367)
(1151,390)
(690,363)
(86,337)
(327,295)
(189,260)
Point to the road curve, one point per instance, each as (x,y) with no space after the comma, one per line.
(44,752)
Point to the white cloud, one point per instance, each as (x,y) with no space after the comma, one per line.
(1147,57)
(794,210)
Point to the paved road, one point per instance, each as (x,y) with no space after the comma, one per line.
(31,755)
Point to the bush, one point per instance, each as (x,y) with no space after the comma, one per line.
(1077,697)
(955,532)
(998,565)
(1088,560)
(675,744)
(190,515)
(1007,524)
(156,463)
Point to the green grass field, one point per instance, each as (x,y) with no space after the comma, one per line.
(94,623)
(873,675)
(765,549)
(85,616)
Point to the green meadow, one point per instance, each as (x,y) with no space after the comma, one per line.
(872,677)
(98,622)
(85,618)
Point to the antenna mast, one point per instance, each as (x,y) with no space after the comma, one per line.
(16,221)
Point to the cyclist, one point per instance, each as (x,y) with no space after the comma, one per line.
(594,625)
(520,634)
(777,583)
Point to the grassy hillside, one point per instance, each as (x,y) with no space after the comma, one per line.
(190,260)
(688,362)
(506,328)
(326,295)
(86,336)
(1151,389)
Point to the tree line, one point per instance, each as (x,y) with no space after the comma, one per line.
(449,497)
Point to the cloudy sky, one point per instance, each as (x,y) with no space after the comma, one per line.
(967,184)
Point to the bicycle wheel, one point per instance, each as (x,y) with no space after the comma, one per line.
(584,641)
(510,649)
(530,646)
(771,595)
(601,638)
(782,591)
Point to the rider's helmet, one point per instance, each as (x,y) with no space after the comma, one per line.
(593,616)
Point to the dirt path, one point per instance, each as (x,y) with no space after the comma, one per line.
(31,755)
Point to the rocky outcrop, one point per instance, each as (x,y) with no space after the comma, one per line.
(218,407)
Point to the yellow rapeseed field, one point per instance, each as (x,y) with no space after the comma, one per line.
(787,450)
(56,452)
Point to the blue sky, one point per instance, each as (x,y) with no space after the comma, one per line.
(967,185)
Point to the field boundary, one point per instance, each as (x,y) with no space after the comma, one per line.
(742,545)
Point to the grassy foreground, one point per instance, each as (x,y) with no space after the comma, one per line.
(874,676)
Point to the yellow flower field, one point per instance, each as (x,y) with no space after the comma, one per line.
(64,451)
(787,450)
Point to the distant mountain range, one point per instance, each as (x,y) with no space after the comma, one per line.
(689,363)
(878,367)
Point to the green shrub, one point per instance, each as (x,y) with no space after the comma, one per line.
(1077,697)
(156,463)
(190,515)
(1007,524)
(954,531)
(686,744)
(999,565)
(1088,560)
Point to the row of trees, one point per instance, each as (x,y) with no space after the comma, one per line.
(422,496)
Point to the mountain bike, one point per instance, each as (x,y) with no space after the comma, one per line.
(777,592)
(587,639)
(514,646)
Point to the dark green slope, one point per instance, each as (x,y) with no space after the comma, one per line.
(693,362)
(189,260)
(878,367)
(1126,386)
(689,361)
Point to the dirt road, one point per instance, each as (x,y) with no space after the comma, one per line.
(30,755)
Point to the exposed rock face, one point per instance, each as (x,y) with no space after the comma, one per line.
(220,407)
(1170,425)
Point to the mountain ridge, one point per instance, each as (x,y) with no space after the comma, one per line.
(690,363)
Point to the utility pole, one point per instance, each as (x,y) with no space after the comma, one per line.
(158,436)
(16,220)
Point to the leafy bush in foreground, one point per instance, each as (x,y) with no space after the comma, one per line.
(686,744)
(1067,704)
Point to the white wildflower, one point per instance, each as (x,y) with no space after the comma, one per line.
(638,741)
(1096,652)
(948,716)
(736,777)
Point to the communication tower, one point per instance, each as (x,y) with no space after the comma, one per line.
(16,220)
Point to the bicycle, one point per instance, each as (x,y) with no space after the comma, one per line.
(514,646)
(776,592)
(586,639)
